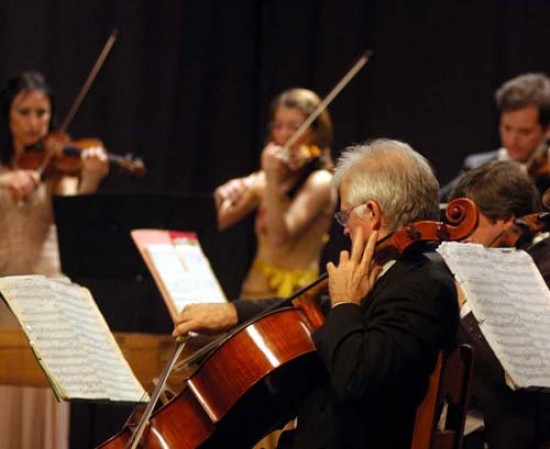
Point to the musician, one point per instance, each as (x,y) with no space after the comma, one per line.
(290,195)
(518,419)
(31,417)
(524,107)
(386,323)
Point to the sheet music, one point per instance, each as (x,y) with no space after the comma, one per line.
(511,303)
(71,339)
(185,272)
(190,253)
(176,279)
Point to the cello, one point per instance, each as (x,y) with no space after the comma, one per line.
(270,359)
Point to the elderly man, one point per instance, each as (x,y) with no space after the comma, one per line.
(386,324)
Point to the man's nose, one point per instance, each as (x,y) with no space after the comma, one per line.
(512,138)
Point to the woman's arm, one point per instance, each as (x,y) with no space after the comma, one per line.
(237,198)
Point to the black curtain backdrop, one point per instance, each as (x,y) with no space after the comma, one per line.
(188,83)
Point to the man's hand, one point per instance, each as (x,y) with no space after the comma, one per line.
(355,275)
(211,318)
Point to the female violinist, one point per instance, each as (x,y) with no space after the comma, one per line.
(28,241)
(291,196)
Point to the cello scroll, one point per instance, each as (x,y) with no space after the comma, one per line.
(463,218)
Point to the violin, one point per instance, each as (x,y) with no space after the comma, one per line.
(524,229)
(302,156)
(295,160)
(270,359)
(57,153)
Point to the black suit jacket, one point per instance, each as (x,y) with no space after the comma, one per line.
(378,358)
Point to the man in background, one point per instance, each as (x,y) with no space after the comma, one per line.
(524,125)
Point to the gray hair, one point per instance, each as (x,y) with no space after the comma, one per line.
(391,173)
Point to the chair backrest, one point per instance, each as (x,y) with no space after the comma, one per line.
(441,415)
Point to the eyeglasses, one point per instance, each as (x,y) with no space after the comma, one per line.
(342,217)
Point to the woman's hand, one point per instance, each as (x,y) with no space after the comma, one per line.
(232,191)
(21,183)
(272,161)
(95,166)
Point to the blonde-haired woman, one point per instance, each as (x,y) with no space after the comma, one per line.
(291,196)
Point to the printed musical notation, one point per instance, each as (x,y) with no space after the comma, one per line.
(511,303)
(179,267)
(70,339)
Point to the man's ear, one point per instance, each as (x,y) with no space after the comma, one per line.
(374,208)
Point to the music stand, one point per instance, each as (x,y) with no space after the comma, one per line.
(97,251)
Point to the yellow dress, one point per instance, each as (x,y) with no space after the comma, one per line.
(282,270)
(283,282)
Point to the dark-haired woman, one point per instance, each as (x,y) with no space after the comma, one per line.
(31,417)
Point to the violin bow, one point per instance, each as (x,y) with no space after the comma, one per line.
(155,395)
(344,81)
(81,94)
(89,81)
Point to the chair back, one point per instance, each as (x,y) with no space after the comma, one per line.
(441,415)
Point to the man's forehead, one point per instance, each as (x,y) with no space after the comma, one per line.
(343,191)
(527,116)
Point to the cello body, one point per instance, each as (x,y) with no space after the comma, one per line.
(243,390)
